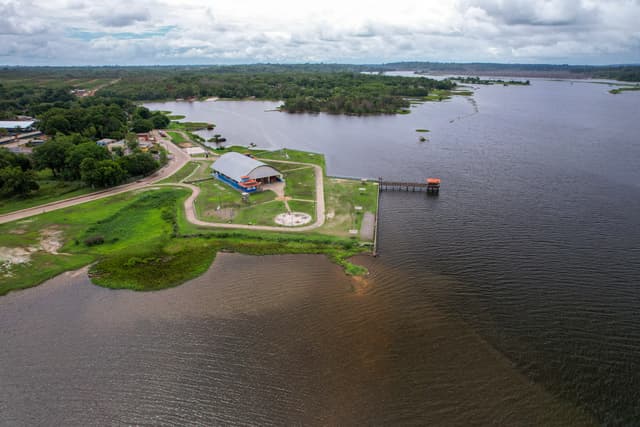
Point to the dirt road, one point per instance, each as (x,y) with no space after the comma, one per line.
(179,158)
(320,208)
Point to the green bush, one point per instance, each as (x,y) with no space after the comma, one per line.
(94,240)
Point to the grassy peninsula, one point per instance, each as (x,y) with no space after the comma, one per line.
(142,240)
(624,89)
(139,241)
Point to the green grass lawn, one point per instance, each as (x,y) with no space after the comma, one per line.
(204,171)
(341,198)
(176,137)
(51,190)
(215,193)
(72,224)
(300,183)
(184,172)
(260,213)
(306,207)
(189,126)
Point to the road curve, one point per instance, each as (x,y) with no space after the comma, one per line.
(179,159)
(195,192)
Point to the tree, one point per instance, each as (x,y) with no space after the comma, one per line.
(56,124)
(142,112)
(78,153)
(138,164)
(160,121)
(52,155)
(104,173)
(7,158)
(15,181)
(142,125)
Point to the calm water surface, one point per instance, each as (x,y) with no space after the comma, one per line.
(511,299)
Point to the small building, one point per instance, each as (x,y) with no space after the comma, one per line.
(115,144)
(194,151)
(145,145)
(143,137)
(244,173)
(104,142)
(16,126)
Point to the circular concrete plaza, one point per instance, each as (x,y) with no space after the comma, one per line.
(293,219)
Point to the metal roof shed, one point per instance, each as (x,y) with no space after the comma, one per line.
(16,124)
(238,166)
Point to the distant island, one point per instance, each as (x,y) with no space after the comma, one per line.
(479,81)
(625,73)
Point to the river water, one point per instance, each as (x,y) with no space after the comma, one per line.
(510,299)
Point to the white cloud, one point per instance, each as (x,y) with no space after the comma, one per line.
(193,31)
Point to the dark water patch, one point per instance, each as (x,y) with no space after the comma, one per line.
(537,221)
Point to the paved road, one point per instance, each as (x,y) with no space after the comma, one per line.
(179,159)
(368,226)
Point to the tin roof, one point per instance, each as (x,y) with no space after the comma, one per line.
(236,166)
(16,124)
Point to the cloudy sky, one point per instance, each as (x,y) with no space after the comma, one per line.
(83,32)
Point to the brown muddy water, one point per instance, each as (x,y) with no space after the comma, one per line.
(258,341)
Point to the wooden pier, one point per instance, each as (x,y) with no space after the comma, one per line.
(375,226)
(430,186)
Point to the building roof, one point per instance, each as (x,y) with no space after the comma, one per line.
(194,150)
(236,166)
(16,124)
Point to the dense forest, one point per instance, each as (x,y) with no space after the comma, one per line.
(348,93)
(74,124)
(35,91)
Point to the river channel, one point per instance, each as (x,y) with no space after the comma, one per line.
(510,299)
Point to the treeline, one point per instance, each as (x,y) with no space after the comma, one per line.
(614,72)
(351,93)
(625,74)
(96,117)
(99,117)
(347,104)
(20,99)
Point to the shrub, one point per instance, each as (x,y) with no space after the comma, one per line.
(94,240)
